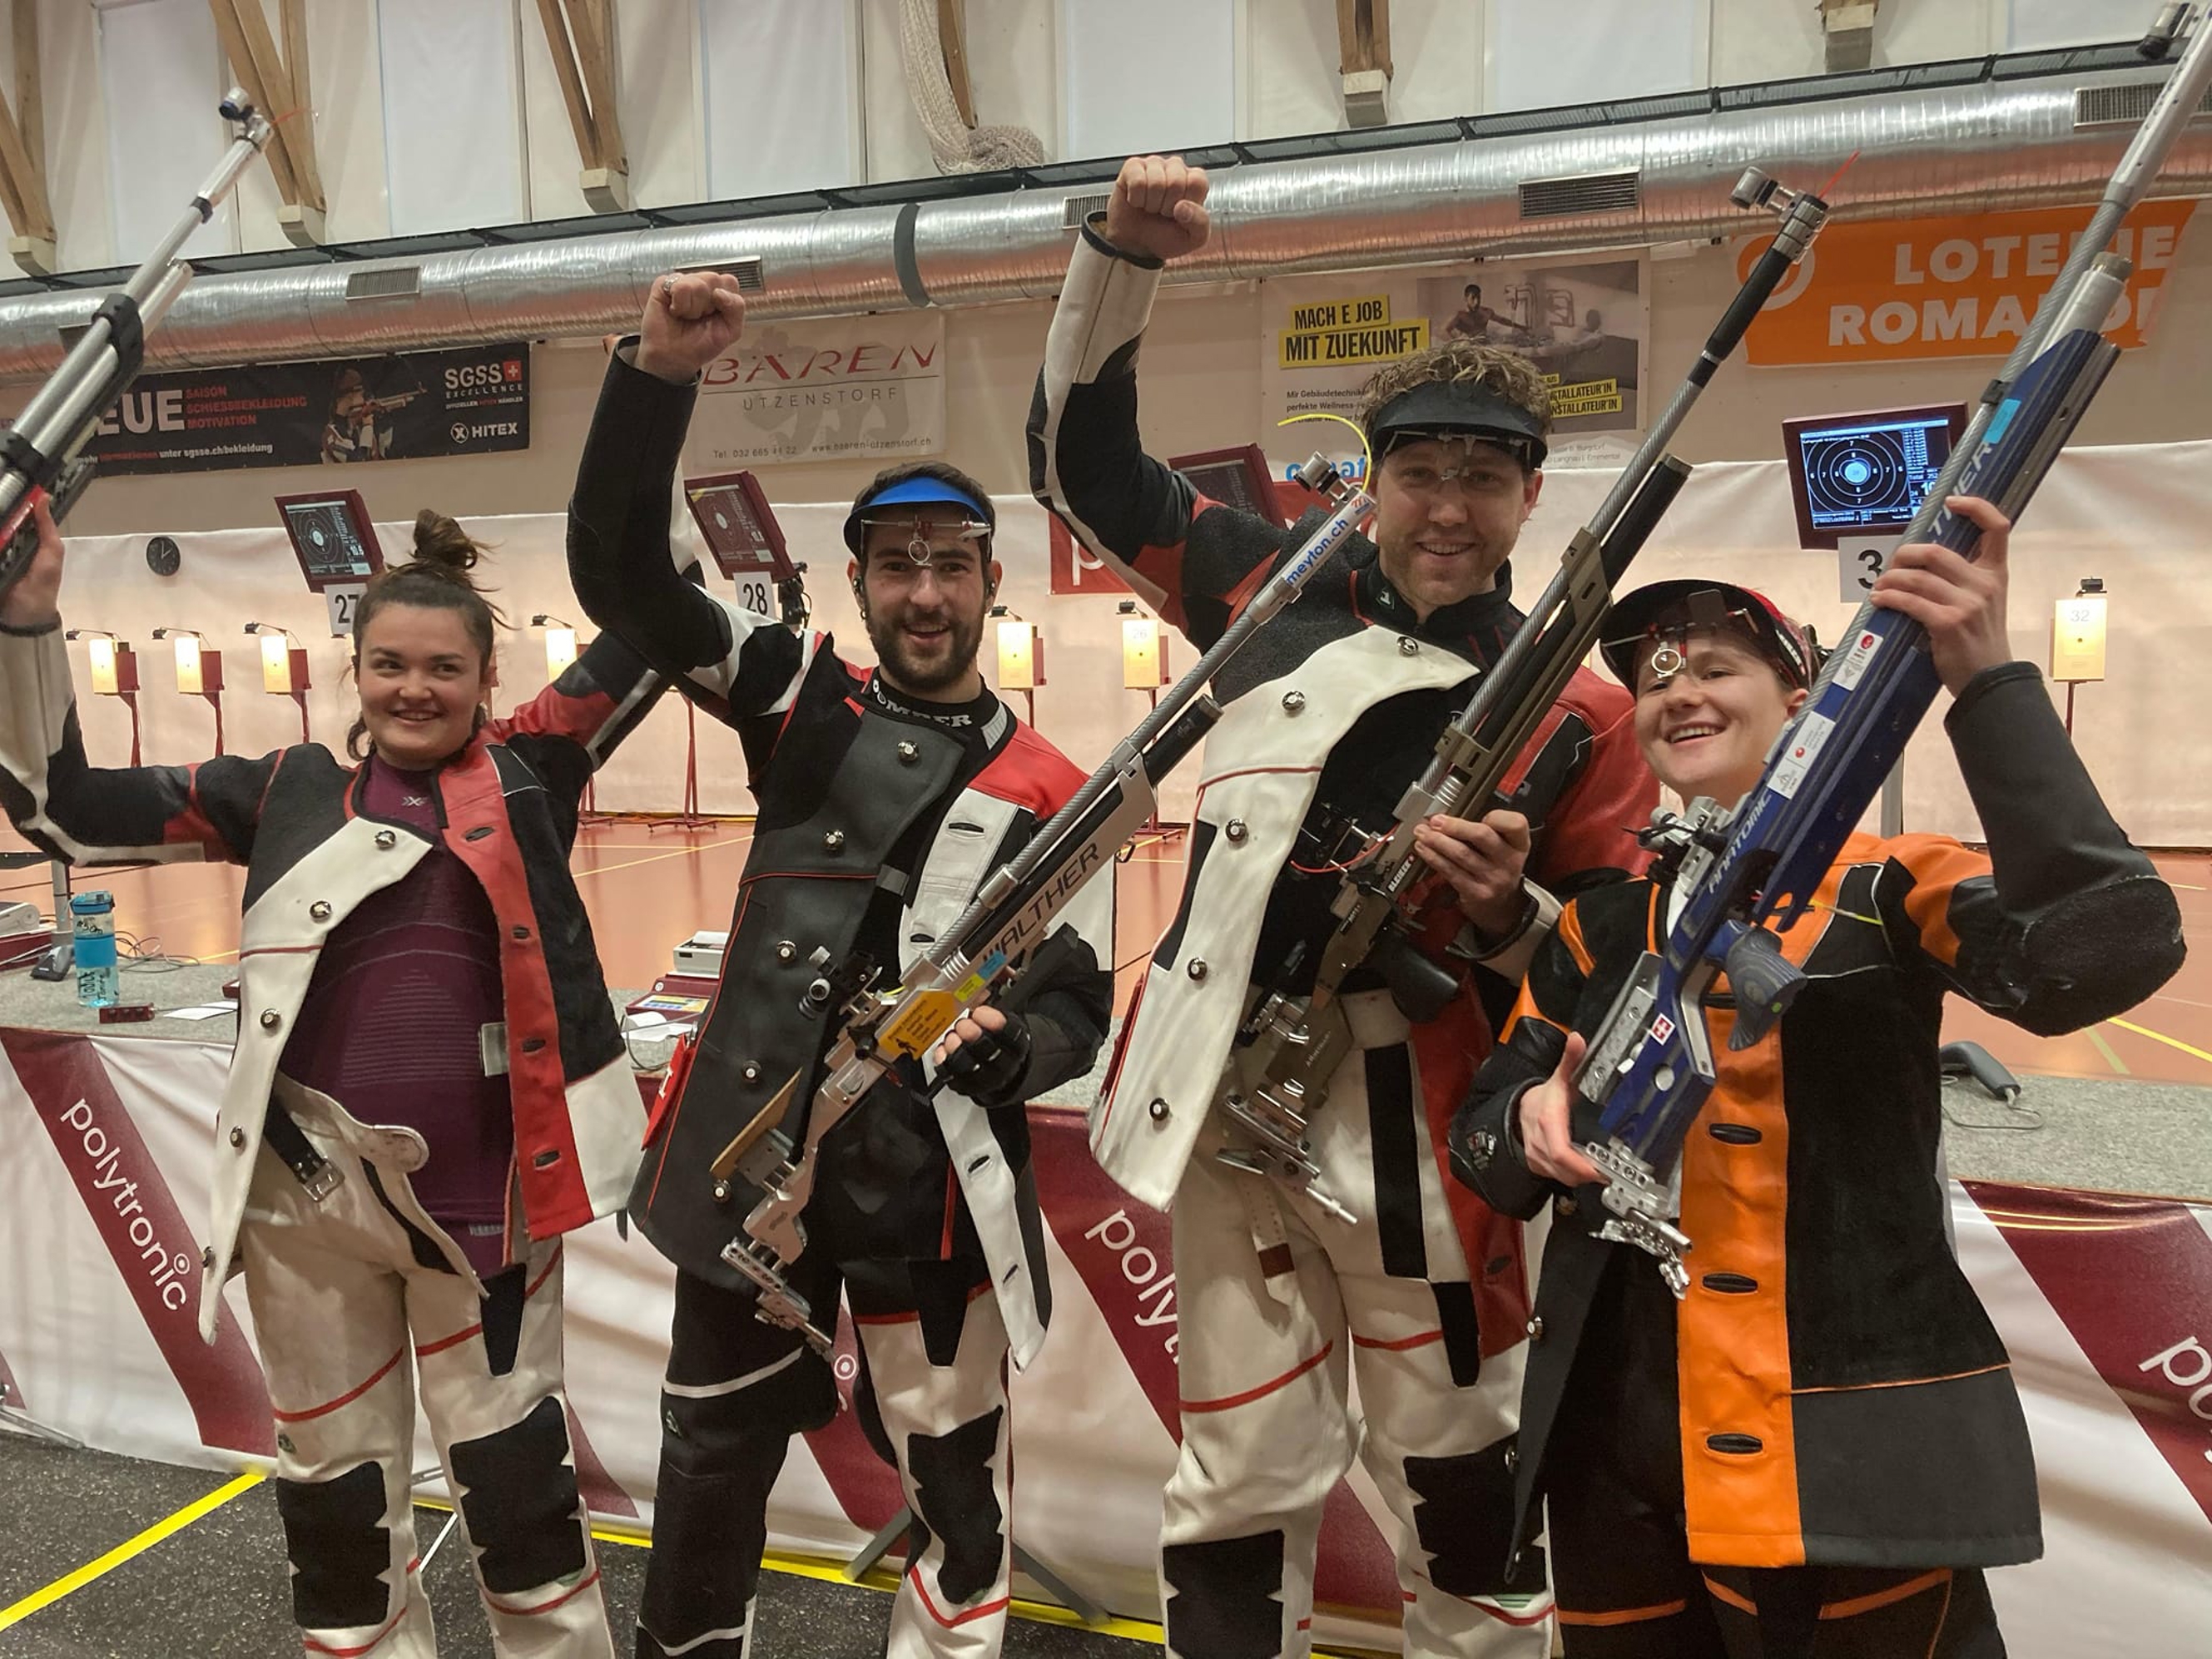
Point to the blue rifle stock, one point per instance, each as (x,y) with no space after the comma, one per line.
(1649,1069)
(1649,1065)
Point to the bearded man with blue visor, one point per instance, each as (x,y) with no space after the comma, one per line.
(886,797)
(1402,1277)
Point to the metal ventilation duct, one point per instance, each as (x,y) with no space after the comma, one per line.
(1960,139)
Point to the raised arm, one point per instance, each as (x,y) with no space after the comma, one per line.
(576,723)
(1185,555)
(100,815)
(2065,922)
(733,662)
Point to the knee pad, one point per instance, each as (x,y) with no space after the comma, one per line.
(340,1548)
(1224,1597)
(951,1475)
(519,1501)
(1463,1518)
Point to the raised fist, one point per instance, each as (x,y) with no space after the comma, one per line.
(1157,209)
(690,320)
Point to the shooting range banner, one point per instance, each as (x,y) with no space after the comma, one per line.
(1948,287)
(1583,324)
(397,407)
(843,388)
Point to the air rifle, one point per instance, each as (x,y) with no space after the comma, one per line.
(1296,1042)
(1008,921)
(1746,873)
(40,455)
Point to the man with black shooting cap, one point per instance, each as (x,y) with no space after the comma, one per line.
(886,798)
(1330,713)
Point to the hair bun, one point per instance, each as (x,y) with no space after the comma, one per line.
(442,543)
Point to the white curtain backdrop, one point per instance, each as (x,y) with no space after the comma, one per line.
(2132,514)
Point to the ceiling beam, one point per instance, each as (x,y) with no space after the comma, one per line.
(279,91)
(580,33)
(952,37)
(1362,38)
(23,153)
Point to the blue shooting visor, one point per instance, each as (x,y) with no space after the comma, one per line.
(915,492)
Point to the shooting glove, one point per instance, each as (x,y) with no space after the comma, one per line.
(990,1070)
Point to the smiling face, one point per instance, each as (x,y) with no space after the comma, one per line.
(1448,514)
(1705,729)
(422,679)
(925,621)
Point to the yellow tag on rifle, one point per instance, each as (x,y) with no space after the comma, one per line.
(924,1019)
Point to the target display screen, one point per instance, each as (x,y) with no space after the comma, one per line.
(740,530)
(1235,477)
(1865,474)
(332,537)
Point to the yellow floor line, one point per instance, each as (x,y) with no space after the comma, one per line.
(655,857)
(2161,1037)
(2112,1059)
(124,1552)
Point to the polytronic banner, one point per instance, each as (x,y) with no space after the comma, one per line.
(1956,287)
(2105,1302)
(399,407)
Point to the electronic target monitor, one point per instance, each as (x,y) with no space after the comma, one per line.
(331,538)
(739,526)
(1235,477)
(1864,475)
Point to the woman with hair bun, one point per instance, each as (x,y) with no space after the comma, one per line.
(428,1090)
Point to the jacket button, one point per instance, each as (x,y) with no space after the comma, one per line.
(1513,1459)
(834,842)
(1197,969)
(320,911)
(270,1019)
(721,1190)
(908,753)
(1158,1110)
(1407,647)
(385,840)
(785,950)
(238,1138)
(1236,830)
(1565,1206)
(1535,1328)
(207,1257)
(751,1074)
(1481,1146)
(1513,1567)
(1294,700)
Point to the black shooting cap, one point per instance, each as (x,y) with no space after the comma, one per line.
(1458,409)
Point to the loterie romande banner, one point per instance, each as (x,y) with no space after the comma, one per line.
(1962,286)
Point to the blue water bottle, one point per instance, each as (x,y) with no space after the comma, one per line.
(92,924)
